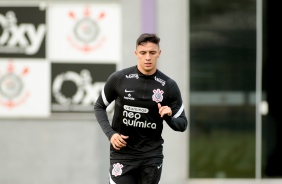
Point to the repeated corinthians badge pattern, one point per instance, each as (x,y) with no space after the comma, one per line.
(58,62)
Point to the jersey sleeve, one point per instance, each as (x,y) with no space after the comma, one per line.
(107,95)
(178,121)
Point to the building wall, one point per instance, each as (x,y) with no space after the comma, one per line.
(172,27)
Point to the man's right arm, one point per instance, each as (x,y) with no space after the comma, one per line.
(107,95)
(102,117)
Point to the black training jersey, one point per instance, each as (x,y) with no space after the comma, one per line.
(136,112)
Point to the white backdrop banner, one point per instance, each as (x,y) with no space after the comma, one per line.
(24,88)
(84,32)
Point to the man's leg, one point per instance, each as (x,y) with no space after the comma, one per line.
(150,174)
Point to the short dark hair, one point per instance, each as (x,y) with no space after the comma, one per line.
(147,37)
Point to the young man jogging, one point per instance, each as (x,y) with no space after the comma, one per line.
(144,97)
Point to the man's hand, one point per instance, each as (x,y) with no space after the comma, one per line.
(164,110)
(117,140)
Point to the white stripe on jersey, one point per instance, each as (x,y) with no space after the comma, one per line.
(111,181)
(104,98)
(179,111)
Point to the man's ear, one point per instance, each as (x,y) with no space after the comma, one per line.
(160,52)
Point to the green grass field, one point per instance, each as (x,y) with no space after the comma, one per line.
(222,154)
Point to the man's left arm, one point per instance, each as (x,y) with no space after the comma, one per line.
(174,113)
(177,122)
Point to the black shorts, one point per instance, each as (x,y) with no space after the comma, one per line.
(135,174)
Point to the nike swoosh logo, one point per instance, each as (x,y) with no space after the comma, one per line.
(159,166)
(129,91)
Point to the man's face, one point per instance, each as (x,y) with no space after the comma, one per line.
(147,56)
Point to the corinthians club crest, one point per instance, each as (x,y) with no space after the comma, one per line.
(12,90)
(117,169)
(158,95)
(86,35)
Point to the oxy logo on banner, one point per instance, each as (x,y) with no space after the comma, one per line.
(12,90)
(85,93)
(22,38)
(86,35)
